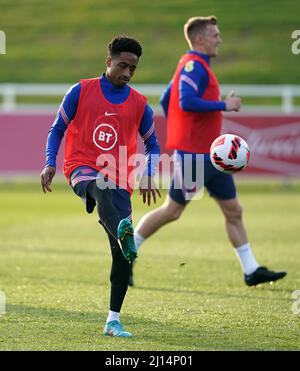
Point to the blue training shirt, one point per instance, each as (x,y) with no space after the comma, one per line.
(192,86)
(115,95)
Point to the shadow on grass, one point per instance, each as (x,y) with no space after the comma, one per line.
(58,313)
(261,289)
(149,334)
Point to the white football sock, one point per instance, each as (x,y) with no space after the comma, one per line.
(113,316)
(246,258)
(138,240)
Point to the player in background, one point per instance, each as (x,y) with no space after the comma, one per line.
(193,108)
(101,117)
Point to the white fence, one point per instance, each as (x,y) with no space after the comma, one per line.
(287,93)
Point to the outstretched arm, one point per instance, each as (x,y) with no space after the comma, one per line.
(65,115)
(148,187)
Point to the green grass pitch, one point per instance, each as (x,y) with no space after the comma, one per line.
(67,41)
(189,293)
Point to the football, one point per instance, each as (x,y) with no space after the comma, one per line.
(229,153)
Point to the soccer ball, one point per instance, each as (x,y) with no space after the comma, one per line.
(229,153)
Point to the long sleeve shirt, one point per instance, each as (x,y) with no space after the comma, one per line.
(115,95)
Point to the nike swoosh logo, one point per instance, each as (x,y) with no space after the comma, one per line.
(109,114)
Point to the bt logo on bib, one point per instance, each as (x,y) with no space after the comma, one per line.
(105,137)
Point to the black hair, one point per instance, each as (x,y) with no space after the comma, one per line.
(123,43)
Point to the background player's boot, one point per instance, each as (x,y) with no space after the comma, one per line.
(126,240)
(114,328)
(261,275)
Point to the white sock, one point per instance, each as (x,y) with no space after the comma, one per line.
(138,240)
(246,258)
(113,316)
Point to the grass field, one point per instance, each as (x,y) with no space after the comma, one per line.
(64,41)
(189,294)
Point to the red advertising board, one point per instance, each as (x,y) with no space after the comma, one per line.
(274,141)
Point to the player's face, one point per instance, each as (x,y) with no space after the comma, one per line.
(211,40)
(120,68)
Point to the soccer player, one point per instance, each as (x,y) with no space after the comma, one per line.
(102,118)
(193,108)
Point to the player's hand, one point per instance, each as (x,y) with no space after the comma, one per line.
(232,102)
(46,178)
(148,188)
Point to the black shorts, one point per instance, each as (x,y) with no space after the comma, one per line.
(82,176)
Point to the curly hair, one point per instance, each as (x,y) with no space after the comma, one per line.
(123,43)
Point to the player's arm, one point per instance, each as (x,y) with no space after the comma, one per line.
(152,150)
(192,85)
(65,115)
(165,98)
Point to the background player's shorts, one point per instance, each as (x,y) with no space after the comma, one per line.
(82,176)
(218,184)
